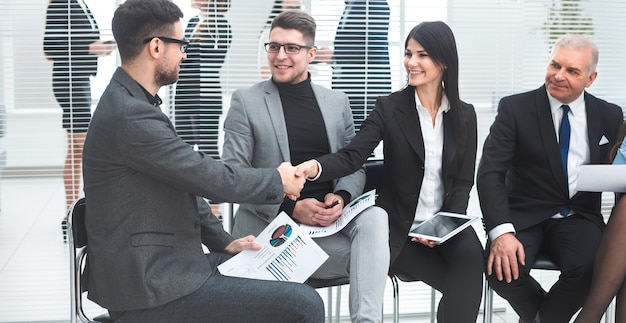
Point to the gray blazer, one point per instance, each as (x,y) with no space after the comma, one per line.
(256,136)
(145,221)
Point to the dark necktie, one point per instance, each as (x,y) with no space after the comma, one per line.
(564,136)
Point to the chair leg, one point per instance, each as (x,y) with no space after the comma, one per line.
(396,299)
(338,305)
(433,313)
(329,303)
(488,308)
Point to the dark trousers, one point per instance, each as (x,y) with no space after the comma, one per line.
(571,243)
(455,268)
(231,299)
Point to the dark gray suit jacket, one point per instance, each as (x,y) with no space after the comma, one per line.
(145,221)
(520,176)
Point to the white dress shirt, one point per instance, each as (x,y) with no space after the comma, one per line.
(432,192)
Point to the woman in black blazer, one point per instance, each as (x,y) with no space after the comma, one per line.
(429,148)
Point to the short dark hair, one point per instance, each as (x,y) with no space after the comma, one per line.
(136,20)
(298,20)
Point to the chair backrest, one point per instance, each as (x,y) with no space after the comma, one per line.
(76,223)
(374,174)
(77,242)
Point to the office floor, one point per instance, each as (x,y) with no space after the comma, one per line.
(34,264)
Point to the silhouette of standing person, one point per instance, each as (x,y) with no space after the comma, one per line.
(360,55)
(198,101)
(72,42)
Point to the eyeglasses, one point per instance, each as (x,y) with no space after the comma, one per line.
(183,43)
(289,48)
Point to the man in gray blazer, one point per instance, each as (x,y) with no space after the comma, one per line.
(288,118)
(146,219)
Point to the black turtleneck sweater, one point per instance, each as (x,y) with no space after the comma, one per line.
(307,136)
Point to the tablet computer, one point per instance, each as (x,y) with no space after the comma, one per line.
(442,226)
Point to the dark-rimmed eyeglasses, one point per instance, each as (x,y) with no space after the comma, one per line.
(183,43)
(289,48)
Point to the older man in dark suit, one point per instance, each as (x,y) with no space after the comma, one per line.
(146,221)
(527,184)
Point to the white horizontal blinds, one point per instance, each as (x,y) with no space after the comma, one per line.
(508,52)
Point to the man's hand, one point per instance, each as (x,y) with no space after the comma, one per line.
(308,169)
(292,183)
(506,254)
(310,211)
(242,244)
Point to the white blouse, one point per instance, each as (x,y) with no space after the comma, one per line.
(432,192)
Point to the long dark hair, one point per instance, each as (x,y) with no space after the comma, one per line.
(438,40)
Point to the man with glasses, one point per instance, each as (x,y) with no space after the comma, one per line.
(145,219)
(288,118)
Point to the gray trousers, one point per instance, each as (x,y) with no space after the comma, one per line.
(360,251)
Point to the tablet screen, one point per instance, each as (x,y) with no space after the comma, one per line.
(442,226)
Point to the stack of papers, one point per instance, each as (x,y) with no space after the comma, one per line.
(349,212)
(287,254)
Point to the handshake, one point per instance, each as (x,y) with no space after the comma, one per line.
(294,177)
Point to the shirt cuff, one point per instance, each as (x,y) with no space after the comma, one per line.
(319,173)
(288,206)
(500,230)
(345,195)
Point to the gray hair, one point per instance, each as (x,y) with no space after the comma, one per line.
(579,42)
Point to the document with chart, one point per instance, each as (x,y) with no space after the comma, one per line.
(349,212)
(287,254)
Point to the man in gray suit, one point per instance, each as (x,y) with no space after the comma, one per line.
(288,118)
(146,221)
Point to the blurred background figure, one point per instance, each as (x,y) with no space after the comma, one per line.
(198,101)
(72,42)
(278,7)
(360,55)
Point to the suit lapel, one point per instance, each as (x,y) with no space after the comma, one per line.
(549,140)
(409,122)
(334,129)
(274,108)
(449,142)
